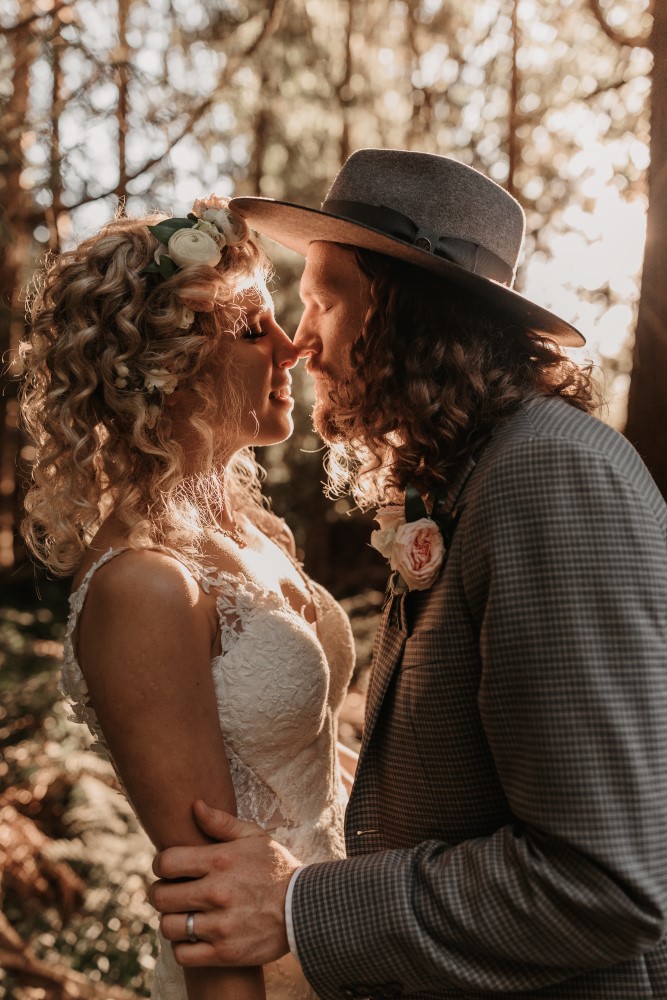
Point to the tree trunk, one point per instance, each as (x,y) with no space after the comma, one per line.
(15,231)
(513,117)
(647,404)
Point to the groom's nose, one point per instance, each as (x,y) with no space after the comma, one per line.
(306,342)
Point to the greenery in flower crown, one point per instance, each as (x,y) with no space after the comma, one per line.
(163,231)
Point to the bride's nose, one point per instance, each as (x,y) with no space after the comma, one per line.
(285,353)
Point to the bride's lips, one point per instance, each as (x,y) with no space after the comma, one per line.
(282,393)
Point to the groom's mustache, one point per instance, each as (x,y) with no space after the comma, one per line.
(319,371)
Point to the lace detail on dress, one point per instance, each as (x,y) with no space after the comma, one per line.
(255,802)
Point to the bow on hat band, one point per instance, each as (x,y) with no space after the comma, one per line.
(469,255)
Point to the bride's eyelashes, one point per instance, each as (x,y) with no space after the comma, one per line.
(253,330)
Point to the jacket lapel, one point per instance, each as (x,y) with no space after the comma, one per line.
(387,653)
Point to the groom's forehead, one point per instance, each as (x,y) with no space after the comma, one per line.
(328,267)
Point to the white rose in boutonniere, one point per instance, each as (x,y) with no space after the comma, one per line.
(389,519)
(418,552)
(188,247)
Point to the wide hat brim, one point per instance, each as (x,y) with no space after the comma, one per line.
(296,227)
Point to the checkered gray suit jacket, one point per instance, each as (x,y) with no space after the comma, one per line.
(507,831)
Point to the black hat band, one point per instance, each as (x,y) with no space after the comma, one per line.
(468,255)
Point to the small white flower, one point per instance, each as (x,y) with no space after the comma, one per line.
(152,415)
(159,378)
(187,319)
(232,226)
(201,204)
(208,228)
(122,373)
(188,247)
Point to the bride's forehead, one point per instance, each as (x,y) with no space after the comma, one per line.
(254,298)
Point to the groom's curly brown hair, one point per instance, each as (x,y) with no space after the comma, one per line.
(432,372)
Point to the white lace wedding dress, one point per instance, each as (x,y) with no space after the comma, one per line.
(279,683)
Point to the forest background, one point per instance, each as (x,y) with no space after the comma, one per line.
(151,103)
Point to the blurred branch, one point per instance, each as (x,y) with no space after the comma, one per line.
(635,41)
(344,95)
(532,117)
(27,21)
(514,118)
(269,27)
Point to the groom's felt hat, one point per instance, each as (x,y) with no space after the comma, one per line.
(429,210)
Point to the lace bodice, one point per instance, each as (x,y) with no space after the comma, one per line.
(279,683)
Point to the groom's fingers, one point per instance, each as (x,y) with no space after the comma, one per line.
(180,897)
(221,825)
(186,862)
(196,955)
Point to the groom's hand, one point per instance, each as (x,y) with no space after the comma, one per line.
(235,889)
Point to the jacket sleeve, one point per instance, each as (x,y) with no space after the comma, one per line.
(565,570)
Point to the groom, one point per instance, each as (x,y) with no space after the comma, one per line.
(507,830)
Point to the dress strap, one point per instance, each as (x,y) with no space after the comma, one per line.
(77,598)
(206,576)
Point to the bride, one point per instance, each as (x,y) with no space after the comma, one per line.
(204,661)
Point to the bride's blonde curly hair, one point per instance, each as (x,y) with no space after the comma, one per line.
(106,343)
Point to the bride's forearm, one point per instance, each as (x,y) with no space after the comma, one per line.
(225,984)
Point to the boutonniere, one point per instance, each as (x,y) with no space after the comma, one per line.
(411,541)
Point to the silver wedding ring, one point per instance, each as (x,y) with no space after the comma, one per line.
(190,928)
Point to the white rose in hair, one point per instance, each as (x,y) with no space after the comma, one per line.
(188,247)
(418,552)
(159,378)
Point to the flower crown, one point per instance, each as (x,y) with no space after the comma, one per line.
(191,242)
(198,239)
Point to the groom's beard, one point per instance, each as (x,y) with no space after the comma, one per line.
(325,410)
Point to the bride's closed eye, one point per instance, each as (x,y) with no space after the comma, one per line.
(252,329)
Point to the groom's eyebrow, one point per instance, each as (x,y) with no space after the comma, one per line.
(323,281)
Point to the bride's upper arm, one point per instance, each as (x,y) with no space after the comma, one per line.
(144,646)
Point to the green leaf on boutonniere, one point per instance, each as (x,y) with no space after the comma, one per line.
(163,231)
(414,505)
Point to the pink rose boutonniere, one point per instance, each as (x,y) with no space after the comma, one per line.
(411,541)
